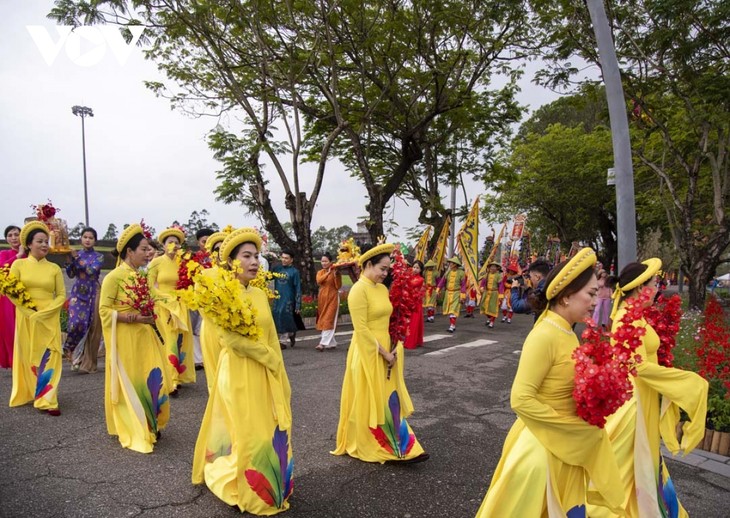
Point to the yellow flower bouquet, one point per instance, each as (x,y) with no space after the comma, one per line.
(11,287)
(262,279)
(216,292)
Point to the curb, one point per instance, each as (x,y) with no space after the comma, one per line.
(702,459)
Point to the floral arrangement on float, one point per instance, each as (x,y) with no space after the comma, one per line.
(58,241)
(13,288)
(604,362)
(217,295)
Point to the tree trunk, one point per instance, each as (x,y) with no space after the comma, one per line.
(375,208)
(302,225)
(705,259)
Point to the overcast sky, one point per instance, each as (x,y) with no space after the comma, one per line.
(143,160)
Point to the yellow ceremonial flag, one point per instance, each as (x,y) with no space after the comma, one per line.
(467,241)
(422,245)
(492,253)
(439,254)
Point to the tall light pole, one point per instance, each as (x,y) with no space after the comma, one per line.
(83,112)
(625,205)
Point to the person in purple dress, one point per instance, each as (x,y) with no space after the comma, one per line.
(85,266)
(7,309)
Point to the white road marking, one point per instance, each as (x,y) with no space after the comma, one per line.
(431,338)
(317,337)
(467,345)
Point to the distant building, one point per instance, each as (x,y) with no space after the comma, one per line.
(362,235)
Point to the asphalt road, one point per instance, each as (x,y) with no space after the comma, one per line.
(69,467)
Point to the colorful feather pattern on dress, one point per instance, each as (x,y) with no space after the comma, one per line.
(579,511)
(176,360)
(43,383)
(222,451)
(151,399)
(393,436)
(668,500)
(272,477)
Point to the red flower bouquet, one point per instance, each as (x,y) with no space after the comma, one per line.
(603,363)
(138,294)
(45,211)
(190,265)
(405,292)
(664,317)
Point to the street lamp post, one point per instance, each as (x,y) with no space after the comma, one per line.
(83,112)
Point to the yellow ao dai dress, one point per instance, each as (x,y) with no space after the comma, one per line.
(173,320)
(244,452)
(550,452)
(374,404)
(136,384)
(37,358)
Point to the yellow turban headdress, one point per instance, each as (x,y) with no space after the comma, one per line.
(127,234)
(30,227)
(653,266)
(171,231)
(235,238)
(580,262)
(213,239)
(385,248)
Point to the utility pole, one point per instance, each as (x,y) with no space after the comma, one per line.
(625,204)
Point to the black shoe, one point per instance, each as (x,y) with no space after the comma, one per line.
(158,435)
(421,458)
(174,393)
(292,340)
(198,366)
(283,345)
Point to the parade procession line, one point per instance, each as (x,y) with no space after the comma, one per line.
(467,345)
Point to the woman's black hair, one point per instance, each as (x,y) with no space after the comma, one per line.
(419,263)
(9,229)
(629,273)
(327,255)
(539,302)
(133,243)
(32,234)
(93,232)
(203,232)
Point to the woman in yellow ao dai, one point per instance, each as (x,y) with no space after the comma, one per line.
(652,413)
(243,452)
(375,402)
(550,453)
(173,317)
(136,384)
(37,358)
